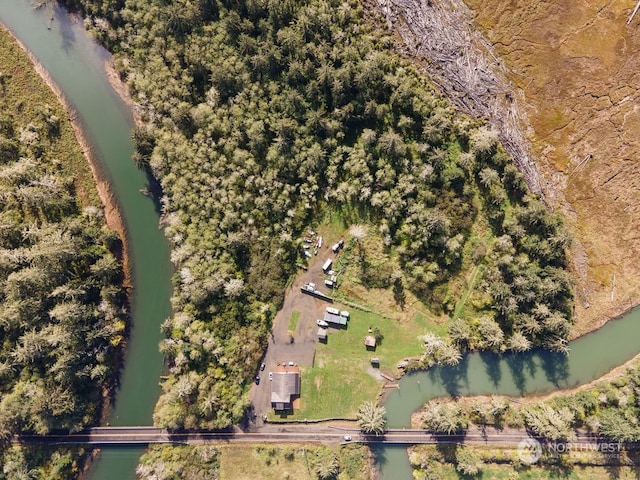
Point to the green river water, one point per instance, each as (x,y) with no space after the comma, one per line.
(75,63)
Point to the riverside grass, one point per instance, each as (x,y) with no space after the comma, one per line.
(342,377)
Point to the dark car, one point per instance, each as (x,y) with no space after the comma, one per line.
(262,367)
(258,380)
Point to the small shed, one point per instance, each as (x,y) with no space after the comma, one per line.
(370,341)
(375,362)
(322,334)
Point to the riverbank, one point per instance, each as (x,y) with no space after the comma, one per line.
(112,214)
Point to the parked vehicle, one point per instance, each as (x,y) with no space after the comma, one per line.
(270,376)
(327,265)
(347,438)
(257,380)
(322,323)
(262,367)
(333,311)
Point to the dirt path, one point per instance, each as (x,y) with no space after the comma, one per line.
(300,347)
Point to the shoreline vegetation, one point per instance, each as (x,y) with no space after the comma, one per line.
(607,408)
(74,369)
(110,206)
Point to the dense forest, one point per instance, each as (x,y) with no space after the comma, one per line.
(62,306)
(609,409)
(261,114)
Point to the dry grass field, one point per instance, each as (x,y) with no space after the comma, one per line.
(577,66)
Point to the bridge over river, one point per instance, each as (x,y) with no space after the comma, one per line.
(327,434)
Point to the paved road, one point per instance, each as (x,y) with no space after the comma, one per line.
(281,434)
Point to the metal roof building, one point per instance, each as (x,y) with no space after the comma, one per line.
(335,319)
(285,387)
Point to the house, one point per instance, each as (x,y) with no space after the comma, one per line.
(285,387)
(370,341)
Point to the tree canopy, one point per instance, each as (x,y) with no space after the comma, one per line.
(62,306)
(259,116)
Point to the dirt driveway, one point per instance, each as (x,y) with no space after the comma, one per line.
(303,348)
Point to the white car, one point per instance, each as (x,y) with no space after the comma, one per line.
(333,311)
(347,438)
(344,314)
(322,323)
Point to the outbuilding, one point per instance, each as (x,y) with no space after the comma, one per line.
(370,341)
(322,335)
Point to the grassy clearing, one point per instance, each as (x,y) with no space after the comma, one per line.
(293,321)
(376,295)
(342,377)
(280,462)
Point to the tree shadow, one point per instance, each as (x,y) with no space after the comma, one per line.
(556,367)
(491,362)
(518,364)
(154,190)
(379,456)
(454,378)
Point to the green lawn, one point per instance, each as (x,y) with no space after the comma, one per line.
(340,380)
(282,462)
(293,321)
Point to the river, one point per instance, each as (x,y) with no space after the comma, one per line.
(76,65)
(515,374)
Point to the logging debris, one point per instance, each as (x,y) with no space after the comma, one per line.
(463,65)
